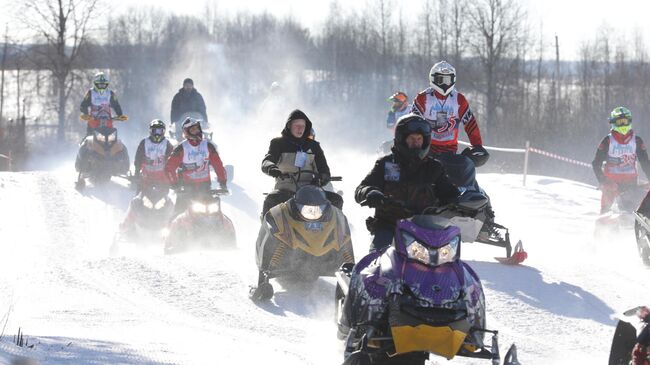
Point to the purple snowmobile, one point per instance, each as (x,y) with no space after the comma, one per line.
(416,298)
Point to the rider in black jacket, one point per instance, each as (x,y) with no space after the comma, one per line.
(409,175)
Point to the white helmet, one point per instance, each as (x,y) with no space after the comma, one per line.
(100,81)
(442,77)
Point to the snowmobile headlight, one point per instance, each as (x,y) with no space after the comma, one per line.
(112,137)
(213,208)
(199,207)
(417,251)
(160,204)
(100,137)
(311,212)
(147,203)
(448,253)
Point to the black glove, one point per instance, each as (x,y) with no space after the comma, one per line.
(274,171)
(374,199)
(324,178)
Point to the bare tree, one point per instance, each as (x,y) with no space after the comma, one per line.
(63,25)
(3,67)
(497,26)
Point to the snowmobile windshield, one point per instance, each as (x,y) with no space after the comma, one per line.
(428,255)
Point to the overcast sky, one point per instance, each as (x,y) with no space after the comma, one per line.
(574,21)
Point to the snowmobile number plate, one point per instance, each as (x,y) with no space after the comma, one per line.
(314,226)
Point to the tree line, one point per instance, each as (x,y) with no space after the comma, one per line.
(518,86)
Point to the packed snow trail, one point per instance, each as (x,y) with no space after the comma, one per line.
(80,305)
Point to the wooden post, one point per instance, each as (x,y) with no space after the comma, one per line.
(526,160)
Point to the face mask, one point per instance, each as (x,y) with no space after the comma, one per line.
(624,129)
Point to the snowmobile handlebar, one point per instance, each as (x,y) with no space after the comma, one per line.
(316,179)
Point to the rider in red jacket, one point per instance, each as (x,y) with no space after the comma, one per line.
(619,151)
(446,109)
(189,164)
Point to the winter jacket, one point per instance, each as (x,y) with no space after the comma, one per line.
(446,114)
(419,185)
(194,160)
(94,103)
(187,102)
(620,154)
(150,159)
(283,153)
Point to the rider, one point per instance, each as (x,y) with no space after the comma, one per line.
(152,154)
(409,175)
(187,100)
(640,350)
(446,109)
(97,100)
(150,160)
(619,150)
(292,153)
(398,109)
(193,158)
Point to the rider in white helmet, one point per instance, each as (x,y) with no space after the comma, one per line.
(100,100)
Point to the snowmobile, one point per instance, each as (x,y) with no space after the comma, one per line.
(301,239)
(151,211)
(628,333)
(416,298)
(203,225)
(101,156)
(642,229)
(478,226)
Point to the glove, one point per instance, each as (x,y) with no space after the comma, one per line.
(324,179)
(122,118)
(274,171)
(222,185)
(374,199)
(84,117)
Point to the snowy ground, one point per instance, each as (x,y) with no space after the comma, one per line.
(80,305)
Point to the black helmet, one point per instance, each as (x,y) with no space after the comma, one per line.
(189,123)
(407,125)
(478,154)
(157,130)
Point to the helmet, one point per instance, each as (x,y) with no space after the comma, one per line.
(478,154)
(442,77)
(312,134)
(621,120)
(407,125)
(189,123)
(157,130)
(100,81)
(398,99)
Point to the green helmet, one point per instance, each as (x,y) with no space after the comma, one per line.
(621,119)
(100,81)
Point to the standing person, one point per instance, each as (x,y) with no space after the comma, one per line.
(409,175)
(187,100)
(399,107)
(291,154)
(192,159)
(619,151)
(98,104)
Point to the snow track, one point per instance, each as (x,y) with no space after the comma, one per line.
(79,305)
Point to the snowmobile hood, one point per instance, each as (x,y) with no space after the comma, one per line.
(316,238)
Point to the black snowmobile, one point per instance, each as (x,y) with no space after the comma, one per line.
(642,229)
(628,333)
(301,240)
(479,227)
(101,156)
